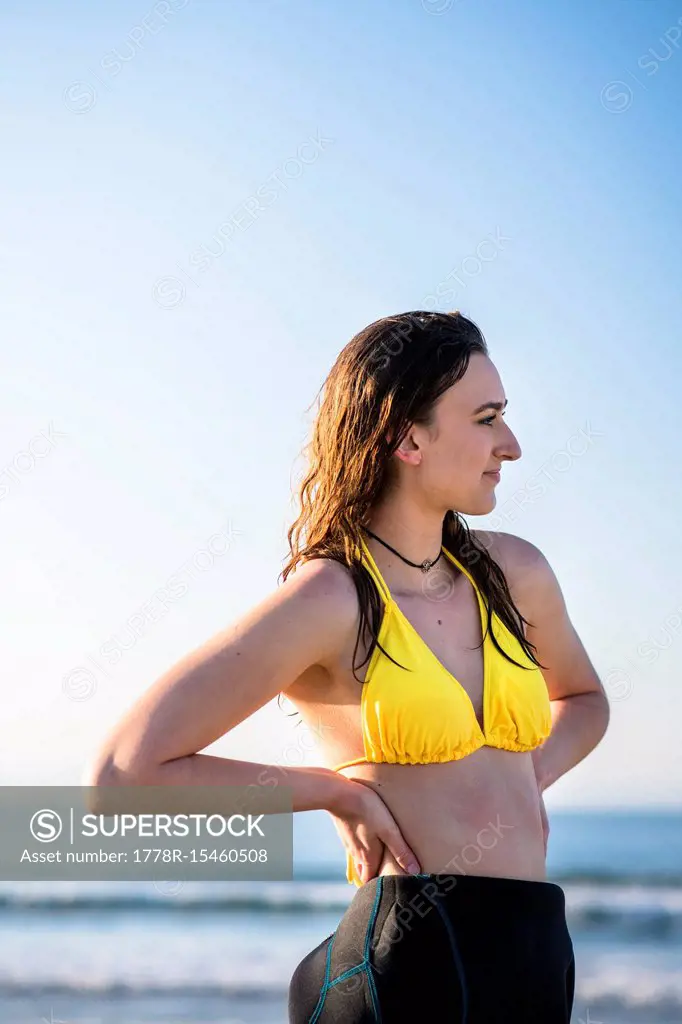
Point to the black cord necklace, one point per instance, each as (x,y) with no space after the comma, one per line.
(424,566)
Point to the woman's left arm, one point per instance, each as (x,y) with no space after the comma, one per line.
(580,707)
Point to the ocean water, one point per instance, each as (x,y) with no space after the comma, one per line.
(194,952)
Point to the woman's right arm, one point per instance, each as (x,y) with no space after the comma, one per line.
(305,622)
(215,687)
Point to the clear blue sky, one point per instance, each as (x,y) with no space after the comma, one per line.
(520,162)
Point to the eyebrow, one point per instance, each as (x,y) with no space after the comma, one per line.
(491,405)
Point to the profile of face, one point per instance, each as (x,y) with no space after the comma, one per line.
(449,465)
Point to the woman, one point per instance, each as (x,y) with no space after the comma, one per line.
(476,694)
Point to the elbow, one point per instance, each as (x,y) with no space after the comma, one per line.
(104,777)
(601,715)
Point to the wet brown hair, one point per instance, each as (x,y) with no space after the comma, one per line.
(388,377)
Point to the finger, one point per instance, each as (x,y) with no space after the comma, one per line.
(363,857)
(365,872)
(364,869)
(402,852)
(374,858)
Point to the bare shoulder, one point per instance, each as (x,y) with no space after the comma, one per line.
(329,579)
(293,633)
(524,565)
(323,594)
(535,589)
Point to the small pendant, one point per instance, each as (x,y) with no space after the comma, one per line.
(426,565)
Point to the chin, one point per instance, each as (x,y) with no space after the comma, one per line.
(480,506)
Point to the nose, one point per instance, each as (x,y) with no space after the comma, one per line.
(510,449)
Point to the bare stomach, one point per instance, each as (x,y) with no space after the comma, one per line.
(476,816)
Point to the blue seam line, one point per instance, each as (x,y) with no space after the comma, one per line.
(373,916)
(347,974)
(373,993)
(368,939)
(364,966)
(323,993)
(457,959)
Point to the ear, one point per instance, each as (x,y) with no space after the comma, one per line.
(390,435)
(408,452)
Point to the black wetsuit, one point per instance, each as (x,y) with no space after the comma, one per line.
(462,949)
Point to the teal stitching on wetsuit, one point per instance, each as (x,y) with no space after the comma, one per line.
(364,966)
(347,974)
(323,993)
(373,992)
(456,957)
(368,939)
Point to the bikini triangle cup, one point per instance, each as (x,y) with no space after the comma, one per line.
(437,721)
(386,593)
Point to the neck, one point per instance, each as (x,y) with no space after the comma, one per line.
(416,538)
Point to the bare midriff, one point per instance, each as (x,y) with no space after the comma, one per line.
(477,816)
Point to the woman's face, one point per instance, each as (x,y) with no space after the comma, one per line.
(468,441)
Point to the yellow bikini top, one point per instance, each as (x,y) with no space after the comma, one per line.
(425,716)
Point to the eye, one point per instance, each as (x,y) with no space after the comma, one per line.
(489,420)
